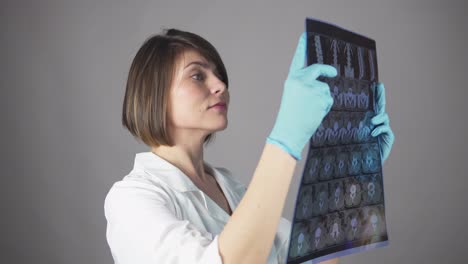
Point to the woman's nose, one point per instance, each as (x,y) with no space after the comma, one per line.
(219,86)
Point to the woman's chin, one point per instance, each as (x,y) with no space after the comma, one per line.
(221,127)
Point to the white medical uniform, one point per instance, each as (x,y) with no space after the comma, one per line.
(156,215)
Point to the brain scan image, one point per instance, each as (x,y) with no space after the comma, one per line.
(353,193)
(300,242)
(341,164)
(306,203)
(353,224)
(372,190)
(374,225)
(336,195)
(354,161)
(313,168)
(371,160)
(328,163)
(320,199)
(335,227)
(318,234)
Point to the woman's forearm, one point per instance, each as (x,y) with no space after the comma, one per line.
(249,234)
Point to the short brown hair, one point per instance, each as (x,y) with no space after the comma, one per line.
(145,105)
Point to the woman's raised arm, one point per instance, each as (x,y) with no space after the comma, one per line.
(249,234)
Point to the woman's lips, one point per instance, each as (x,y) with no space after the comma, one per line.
(219,107)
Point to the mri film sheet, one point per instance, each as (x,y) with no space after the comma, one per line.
(340,207)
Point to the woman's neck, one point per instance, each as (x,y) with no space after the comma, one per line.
(188,160)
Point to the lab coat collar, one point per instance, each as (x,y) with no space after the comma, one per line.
(170,174)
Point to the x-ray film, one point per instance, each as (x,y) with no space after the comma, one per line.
(340,205)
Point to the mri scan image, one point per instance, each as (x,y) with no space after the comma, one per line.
(340,205)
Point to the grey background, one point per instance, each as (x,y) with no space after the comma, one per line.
(63,71)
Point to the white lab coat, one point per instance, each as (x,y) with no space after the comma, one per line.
(156,215)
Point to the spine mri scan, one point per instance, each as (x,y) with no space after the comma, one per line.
(340,207)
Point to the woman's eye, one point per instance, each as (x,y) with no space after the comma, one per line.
(198,76)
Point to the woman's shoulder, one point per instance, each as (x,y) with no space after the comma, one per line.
(136,185)
(136,179)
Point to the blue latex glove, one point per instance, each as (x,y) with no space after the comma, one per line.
(381,122)
(304,104)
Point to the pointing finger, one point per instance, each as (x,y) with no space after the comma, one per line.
(299,59)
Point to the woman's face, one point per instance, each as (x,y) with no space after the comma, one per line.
(194,90)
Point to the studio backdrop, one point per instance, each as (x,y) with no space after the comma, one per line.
(63,72)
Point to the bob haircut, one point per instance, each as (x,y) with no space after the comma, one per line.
(145,105)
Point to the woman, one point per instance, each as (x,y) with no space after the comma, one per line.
(174,207)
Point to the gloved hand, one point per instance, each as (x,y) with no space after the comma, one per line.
(304,104)
(381,122)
